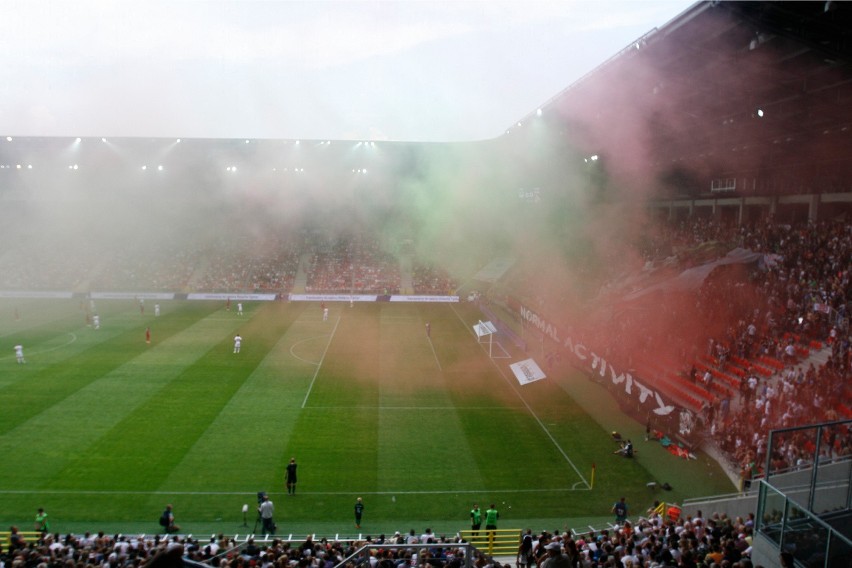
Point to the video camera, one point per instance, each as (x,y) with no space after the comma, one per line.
(261,495)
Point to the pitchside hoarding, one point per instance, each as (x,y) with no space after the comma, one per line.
(590,362)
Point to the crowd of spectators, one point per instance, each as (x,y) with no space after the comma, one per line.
(649,542)
(267,264)
(162,269)
(352,264)
(431,279)
(735,350)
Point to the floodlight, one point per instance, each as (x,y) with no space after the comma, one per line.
(247,141)
(18,166)
(160,168)
(760,112)
(144,168)
(29,166)
(8,139)
(78,140)
(177,141)
(103,139)
(298,142)
(538,112)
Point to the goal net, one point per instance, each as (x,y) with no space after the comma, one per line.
(485,334)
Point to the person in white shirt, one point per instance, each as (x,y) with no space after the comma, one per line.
(237,342)
(19,354)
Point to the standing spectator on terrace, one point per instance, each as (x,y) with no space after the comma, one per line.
(290,477)
(238,341)
(19,354)
(525,550)
(16,541)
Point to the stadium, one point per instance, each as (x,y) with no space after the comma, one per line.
(638,291)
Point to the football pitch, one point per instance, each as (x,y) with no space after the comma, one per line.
(103,429)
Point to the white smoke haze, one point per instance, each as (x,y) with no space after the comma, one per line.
(458,203)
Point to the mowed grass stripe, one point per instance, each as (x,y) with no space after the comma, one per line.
(141,449)
(409,379)
(525,438)
(62,433)
(338,447)
(254,427)
(97,353)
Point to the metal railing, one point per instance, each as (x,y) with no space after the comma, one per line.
(361,557)
(792,528)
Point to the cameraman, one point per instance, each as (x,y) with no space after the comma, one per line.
(266,510)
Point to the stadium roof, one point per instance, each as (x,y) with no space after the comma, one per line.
(724,89)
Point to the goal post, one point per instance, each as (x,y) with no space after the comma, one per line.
(485,332)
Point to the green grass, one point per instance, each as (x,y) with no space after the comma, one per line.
(103,429)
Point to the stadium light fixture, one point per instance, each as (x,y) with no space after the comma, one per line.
(538,112)
(159,168)
(8,139)
(760,113)
(144,168)
(247,141)
(103,140)
(18,166)
(78,140)
(177,141)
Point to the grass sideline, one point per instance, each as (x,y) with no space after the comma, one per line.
(102,429)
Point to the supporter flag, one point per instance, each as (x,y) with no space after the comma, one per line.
(680,452)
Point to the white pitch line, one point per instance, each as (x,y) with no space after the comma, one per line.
(529,408)
(304,341)
(209,493)
(319,365)
(434,353)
